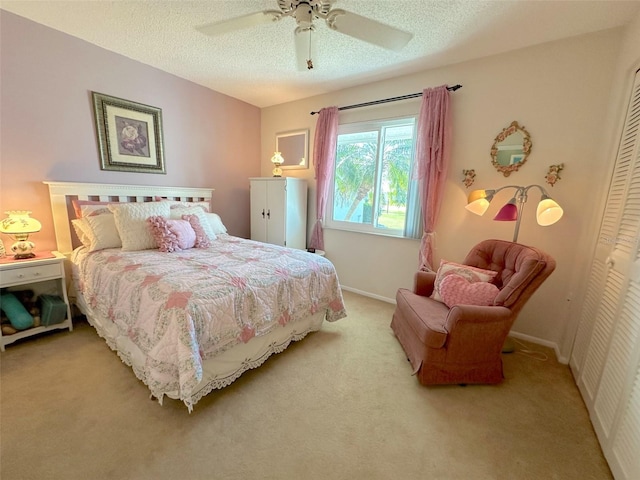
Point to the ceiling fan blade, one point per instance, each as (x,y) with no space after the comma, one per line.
(238,23)
(305,48)
(368,30)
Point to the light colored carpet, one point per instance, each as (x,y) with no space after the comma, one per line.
(341,404)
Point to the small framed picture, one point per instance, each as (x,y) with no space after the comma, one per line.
(129,135)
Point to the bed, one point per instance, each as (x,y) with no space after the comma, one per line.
(193,320)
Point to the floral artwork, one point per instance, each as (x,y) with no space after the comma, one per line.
(553,175)
(133,137)
(129,135)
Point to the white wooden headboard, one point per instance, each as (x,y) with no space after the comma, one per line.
(62,193)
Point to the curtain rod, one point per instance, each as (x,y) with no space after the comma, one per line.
(392,99)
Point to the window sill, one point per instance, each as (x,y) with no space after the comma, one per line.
(364,232)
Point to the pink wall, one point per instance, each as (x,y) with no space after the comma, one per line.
(47,127)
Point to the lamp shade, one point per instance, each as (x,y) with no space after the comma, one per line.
(277,159)
(548,212)
(478,201)
(19,223)
(508,213)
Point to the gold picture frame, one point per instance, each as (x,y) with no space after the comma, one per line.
(129,135)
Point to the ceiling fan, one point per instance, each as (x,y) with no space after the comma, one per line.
(305,12)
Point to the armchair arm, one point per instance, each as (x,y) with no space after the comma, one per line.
(423,283)
(466,324)
(461,314)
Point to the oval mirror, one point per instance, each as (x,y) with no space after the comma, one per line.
(510,149)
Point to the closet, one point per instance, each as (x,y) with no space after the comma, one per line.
(279,211)
(605,359)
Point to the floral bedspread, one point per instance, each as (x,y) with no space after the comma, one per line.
(183,307)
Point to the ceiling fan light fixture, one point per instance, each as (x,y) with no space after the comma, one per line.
(304,13)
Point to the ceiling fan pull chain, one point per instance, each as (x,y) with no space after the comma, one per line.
(309,61)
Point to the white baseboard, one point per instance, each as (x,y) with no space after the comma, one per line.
(544,343)
(367,294)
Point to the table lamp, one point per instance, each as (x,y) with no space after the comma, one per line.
(18,225)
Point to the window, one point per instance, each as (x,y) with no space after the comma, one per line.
(372,191)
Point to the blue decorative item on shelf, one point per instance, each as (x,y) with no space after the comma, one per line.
(16,313)
(52,310)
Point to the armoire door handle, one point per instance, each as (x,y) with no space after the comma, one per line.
(269,214)
(263,213)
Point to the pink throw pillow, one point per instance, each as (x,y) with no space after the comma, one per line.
(202,239)
(457,290)
(172,235)
(473,274)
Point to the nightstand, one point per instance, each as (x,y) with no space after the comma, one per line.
(44,271)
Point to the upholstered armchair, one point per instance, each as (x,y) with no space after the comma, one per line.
(462,343)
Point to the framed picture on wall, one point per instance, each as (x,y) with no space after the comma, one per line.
(129,135)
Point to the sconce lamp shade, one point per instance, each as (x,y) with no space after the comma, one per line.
(277,160)
(508,213)
(19,225)
(548,212)
(478,201)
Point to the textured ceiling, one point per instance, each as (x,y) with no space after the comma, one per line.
(258,64)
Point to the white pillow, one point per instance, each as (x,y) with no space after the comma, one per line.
(97,232)
(79,226)
(216,223)
(176,214)
(179,204)
(131,222)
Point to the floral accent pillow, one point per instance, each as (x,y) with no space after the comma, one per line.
(472,274)
(172,235)
(202,240)
(457,290)
(198,212)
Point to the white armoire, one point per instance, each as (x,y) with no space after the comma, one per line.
(279,211)
(606,354)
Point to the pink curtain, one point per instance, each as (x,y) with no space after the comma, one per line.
(432,160)
(324,154)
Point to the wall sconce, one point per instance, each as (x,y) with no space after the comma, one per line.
(18,226)
(469,177)
(547,213)
(553,175)
(277,160)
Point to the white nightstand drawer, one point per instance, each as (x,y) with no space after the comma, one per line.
(15,276)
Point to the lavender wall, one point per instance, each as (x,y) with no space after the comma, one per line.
(48,131)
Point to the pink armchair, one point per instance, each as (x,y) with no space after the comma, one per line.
(463,344)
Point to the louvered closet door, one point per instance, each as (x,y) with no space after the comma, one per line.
(606,355)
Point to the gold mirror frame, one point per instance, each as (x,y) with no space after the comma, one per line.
(507,158)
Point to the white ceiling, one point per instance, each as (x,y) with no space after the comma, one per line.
(258,64)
